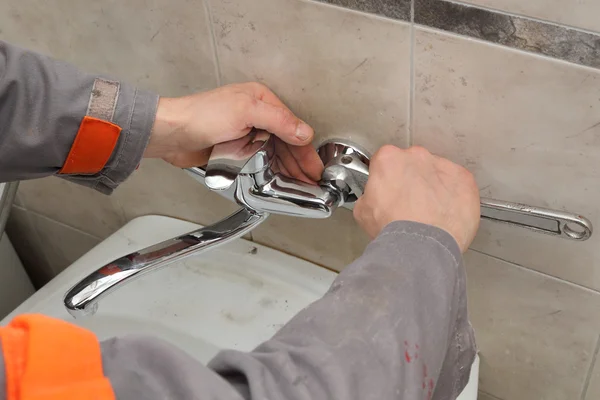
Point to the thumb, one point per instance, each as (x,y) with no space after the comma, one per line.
(281,122)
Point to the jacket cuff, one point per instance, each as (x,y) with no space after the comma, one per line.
(135,113)
(421,230)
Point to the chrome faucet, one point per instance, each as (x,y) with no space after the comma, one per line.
(247,172)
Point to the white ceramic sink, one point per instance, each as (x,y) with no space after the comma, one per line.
(235,296)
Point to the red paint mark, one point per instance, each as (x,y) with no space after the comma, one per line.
(407,352)
(430,391)
(427,384)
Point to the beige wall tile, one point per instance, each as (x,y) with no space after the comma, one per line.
(61,244)
(527,127)
(74,205)
(345,73)
(485,396)
(334,242)
(593,390)
(536,334)
(577,13)
(28,246)
(155,188)
(161,45)
(159,188)
(18,201)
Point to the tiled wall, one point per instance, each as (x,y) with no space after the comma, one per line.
(498,86)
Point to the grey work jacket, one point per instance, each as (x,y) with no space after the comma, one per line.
(407,289)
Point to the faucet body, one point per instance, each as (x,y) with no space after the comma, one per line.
(243,171)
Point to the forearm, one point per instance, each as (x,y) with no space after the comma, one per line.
(393,325)
(42,104)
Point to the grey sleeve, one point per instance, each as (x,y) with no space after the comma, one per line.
(42,103)
(393,325)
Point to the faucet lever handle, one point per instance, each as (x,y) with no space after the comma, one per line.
(247,155)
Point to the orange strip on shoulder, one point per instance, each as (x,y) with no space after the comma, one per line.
(93,145)
(50,359)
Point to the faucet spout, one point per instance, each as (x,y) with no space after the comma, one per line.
(82,299)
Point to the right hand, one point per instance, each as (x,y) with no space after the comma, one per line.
(414,185)
(187,127)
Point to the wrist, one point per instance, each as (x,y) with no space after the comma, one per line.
(169,123)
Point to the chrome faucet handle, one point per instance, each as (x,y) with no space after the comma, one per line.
(346,168)
(250,154)
(245,171)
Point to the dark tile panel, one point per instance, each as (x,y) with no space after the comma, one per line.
(512,31)
(396,9)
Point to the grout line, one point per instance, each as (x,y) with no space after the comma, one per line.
(490,395)
(213,41)
(440,31)
(20,200)
(35,240)
(523,16)
(588,377)
(289,253)
(468,5)
(548,49)
(411,94)
(63,225)
(533,271)
(354,11)
(534,37)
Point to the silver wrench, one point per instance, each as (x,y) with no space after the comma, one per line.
(551,222)
(355,162)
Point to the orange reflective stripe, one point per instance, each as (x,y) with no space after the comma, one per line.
(50,359)
(92,147)
(14,347)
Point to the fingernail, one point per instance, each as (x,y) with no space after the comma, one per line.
(303,132)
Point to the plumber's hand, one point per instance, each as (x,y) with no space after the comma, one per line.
(414,185)
(186,128)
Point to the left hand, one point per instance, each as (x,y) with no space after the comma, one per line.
(415,185)
(186,128)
